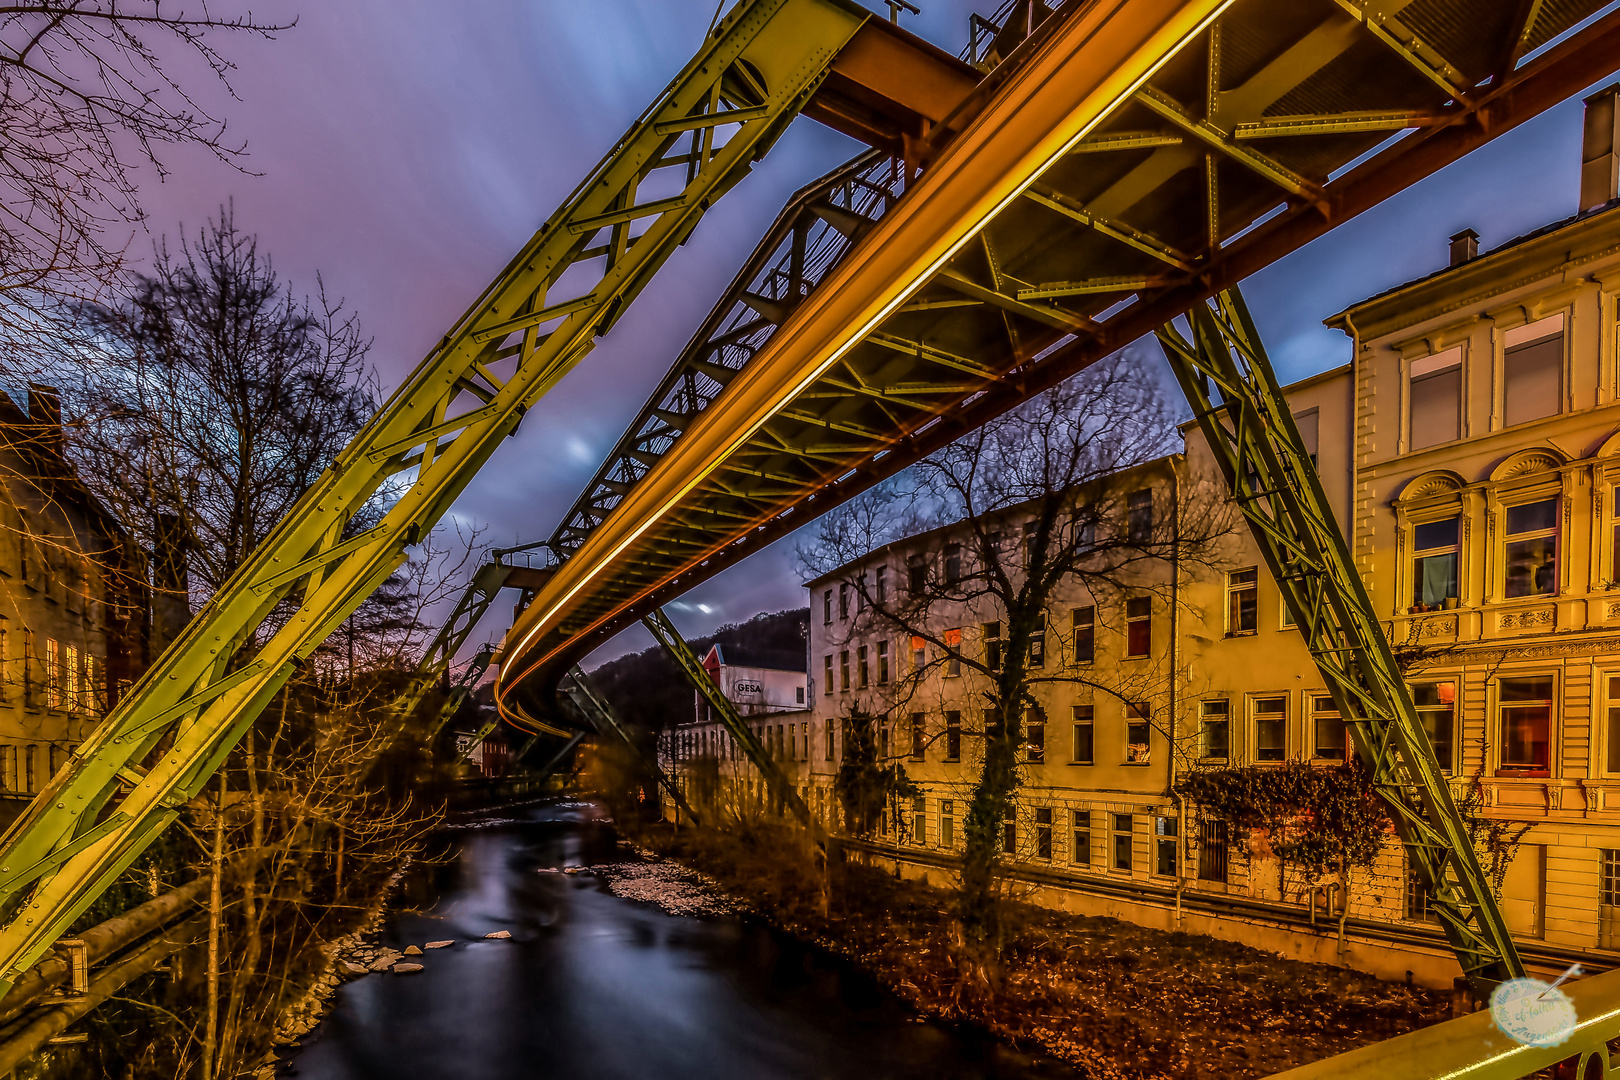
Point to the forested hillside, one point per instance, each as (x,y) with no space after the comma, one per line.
(648,689)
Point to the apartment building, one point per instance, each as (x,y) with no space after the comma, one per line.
(73,603)
(1471,453)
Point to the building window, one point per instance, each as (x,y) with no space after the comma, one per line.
(1034,734)
(1309,426)
(1434,562)
(917,574)
(1434,396)
(1215,729)
(1531,552)
(1328,726)
(1037,642)
(1212,845)
(919,653)
(1081,851)
(832,749)
(860,666)
(1609,900)
(1242,594)
(1533,371)
(1082,751)
(917,730)
(919,820)
(953,652)
(1029,544)
(1085,634)
(953,736)
(1139,517)
(1009,831)
(1611,726)
(843,669)
(860,592)
(880,592)
(947,823)
(1270,728)
(953,564)
(1525,709)
(8,768)
(1137,733)
(992,645)
(1419,901)
(1138,626)
(53,675)
(1122,841)
(1164,846)
(1437,709)
(883,662)
(843,599)
(826,607)
(798,694)
(826,674)
(1614,535)
(1043,832)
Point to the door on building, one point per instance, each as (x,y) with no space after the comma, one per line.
(1524,891)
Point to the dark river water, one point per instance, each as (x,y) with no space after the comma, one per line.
(592,986)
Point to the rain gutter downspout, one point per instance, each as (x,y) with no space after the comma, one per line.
(1175,678)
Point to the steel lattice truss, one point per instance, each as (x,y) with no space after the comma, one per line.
(818,227)
(566,286)
(1275,123)
(1241,410)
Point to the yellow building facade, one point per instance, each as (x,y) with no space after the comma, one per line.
(1471,452)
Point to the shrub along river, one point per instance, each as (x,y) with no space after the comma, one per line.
(596,985)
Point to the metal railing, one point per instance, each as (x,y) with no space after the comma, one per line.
(1471,1047)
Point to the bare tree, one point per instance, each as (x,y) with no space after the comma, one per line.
(88,98)
(212,394)
(1036,507)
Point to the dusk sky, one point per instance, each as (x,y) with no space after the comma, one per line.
(406,148)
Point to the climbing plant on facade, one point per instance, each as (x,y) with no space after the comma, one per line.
(1321,819)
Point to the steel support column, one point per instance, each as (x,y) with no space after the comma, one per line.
(692,668)
(567,286)
(1241,411)
(601,714)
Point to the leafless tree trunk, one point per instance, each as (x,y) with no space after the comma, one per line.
(1039,514)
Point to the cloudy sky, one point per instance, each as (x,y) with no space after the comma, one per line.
(404,149)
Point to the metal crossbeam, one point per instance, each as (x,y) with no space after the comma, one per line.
(1242,412)
(605,720)
(670,638)
(756,71)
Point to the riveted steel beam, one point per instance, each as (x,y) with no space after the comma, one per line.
(1212,136)
(692,667)
(1240,408)
(602,716)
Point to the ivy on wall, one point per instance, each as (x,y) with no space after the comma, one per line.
(1321,819)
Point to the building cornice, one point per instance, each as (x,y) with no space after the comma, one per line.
(1562,251)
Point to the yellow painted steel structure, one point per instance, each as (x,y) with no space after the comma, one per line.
(1125,160)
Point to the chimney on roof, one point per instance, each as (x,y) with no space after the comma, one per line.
(45,413)
(1600,149)
(1464,246)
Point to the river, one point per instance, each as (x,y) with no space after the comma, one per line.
(593,986)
